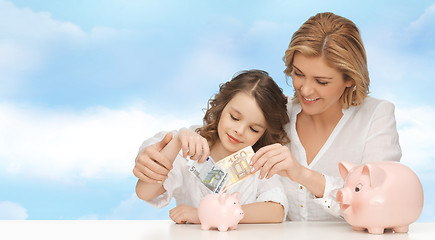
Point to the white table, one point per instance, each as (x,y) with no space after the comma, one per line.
(161,230)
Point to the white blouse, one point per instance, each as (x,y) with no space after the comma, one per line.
(365,133)
(186,189)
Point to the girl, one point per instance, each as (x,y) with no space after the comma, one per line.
(249,110)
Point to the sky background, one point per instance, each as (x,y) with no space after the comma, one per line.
(83,83)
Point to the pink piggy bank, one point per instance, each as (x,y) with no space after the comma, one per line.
(222,211)
(380,195)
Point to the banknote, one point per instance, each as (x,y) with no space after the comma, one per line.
(237,166)
(210,174)
(219,176)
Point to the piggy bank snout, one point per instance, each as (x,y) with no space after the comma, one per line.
(241,213)
(240,216)
(343,197)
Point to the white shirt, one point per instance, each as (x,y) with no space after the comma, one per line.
(365,133)
(182,185)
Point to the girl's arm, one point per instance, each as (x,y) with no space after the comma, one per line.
(263,212)
(271,204)
(258,212)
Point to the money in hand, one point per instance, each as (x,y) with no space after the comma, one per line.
(210,174)
(237,166)
(218,177)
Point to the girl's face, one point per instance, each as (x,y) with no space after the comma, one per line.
(241,124)
(318,86)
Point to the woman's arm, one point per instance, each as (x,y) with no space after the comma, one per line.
(314,181)
(147,190)
(258,212)
(193,145)
(277,159)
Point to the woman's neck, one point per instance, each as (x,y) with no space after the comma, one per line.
(326,119)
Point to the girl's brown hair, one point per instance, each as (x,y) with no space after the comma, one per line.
(269,97)
(338,41)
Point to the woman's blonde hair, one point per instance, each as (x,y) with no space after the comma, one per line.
(267,94)
(338,41)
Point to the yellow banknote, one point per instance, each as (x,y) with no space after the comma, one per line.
(237,166)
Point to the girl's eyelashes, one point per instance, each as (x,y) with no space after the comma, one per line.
(234,118)
(256,131)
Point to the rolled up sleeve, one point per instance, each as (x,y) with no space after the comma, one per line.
(328,202)
(272,190)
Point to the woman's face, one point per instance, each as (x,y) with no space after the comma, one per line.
(318,86)
(241,124)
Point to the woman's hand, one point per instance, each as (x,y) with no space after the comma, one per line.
(151,166)
(275,159)
(193,145)
(184,214)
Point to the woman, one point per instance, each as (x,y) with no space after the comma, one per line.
(331,118)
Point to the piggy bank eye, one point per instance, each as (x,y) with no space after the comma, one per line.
(235,203)
(358,187)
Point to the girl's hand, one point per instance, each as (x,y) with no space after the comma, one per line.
(184,214)
(275,159)
(151,166)
(193,145)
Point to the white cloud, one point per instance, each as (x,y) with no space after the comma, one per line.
(65,145)
(12,211)
(426,20)
(28,39)
(133,209)
(38,28)
(24,23)
(417,138)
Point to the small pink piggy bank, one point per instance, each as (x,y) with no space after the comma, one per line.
(222,211)
(380,195)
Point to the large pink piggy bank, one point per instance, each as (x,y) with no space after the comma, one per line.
(380,195)
(222,211)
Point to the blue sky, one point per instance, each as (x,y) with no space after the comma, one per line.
(83,83)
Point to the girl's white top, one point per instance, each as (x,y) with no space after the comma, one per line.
(365,133)
(186,189)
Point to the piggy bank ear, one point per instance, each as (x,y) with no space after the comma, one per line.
(236,195)
(376,174)
(344,168)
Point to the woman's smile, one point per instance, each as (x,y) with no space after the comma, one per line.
(309,100)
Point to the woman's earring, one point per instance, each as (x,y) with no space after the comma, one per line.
(354,88)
